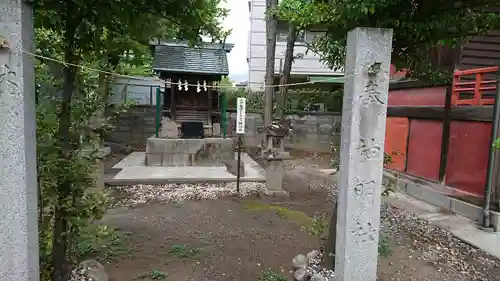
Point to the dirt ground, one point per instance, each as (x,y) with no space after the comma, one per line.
(227,239)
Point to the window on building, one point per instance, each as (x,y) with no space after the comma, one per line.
(305,36)
(311,35)
(282,33)
(249,6)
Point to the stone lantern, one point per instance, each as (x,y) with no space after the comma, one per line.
(273,152)
(275,134)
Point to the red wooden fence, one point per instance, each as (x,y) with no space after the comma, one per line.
(417,142)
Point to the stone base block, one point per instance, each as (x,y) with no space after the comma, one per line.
(153,159)
(495,220)
(189,152)
(275,170)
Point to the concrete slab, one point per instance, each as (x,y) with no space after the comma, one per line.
(461,227)
(135,172)
(133,159)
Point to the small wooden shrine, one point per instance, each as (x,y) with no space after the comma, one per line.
(191,74)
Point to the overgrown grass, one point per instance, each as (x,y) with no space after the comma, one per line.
(270,275)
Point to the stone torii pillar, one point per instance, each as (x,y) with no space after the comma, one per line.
(18,174)
(364,109)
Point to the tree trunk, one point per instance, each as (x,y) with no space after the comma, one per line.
(113,60)
(287,68)
(104,92)
(60,233)
(60,239)
(271,25)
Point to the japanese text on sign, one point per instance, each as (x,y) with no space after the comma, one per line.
(240,115)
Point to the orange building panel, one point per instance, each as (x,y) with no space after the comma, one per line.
(396,140)
(468,156)
(424,148)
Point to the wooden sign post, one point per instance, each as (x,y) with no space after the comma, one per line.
(240,130)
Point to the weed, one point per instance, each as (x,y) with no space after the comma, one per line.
(270,275)
(154,274)
(318,225)
(390,184)
(99,239)
(183,251)
(384,248)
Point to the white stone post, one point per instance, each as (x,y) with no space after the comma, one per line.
(18,181)
(362,152)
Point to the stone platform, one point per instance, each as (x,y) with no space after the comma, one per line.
(189,152)
(132,170)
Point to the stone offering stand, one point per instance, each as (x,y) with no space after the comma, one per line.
(170,150)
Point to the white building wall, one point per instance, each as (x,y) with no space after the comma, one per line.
(309,64)
(140,90)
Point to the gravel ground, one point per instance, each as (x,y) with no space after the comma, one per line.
(237,244)
(436,246)
(419,250)
(134,195)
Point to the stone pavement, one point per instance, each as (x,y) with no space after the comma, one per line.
(461,227)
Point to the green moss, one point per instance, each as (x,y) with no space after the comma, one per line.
(255,206)
(291,215)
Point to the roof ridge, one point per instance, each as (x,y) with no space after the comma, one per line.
(182,58)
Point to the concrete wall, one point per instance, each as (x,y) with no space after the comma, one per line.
(313,132)
(134,126)
(308,65)
(140,90)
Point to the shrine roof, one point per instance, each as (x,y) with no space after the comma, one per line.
(181,58)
